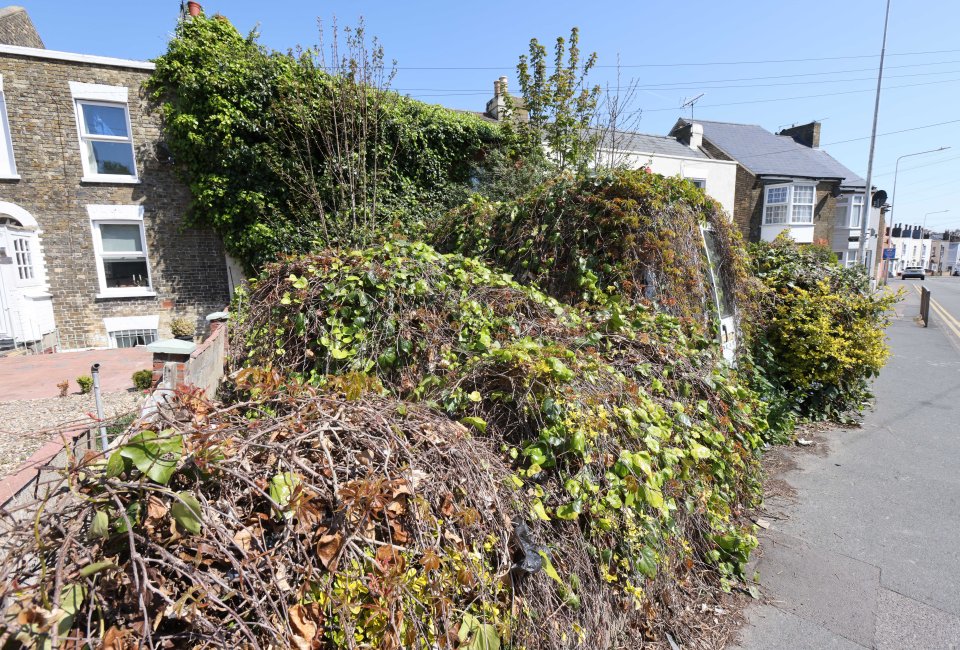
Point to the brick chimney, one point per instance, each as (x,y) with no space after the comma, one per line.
(16,28)
(806,134)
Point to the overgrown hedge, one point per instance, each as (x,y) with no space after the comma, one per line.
(626,234)
(820,334)
(247,129)
(617,421)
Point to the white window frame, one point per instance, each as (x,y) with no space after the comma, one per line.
(24,259)
(116,324)
(848,204)
(8,164)
(789,204)
(120,215)
(699,182)
(102,95)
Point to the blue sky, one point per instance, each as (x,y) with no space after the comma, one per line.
(743,55)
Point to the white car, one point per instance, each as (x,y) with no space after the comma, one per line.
(913,272)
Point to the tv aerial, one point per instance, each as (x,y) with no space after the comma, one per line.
(690,103)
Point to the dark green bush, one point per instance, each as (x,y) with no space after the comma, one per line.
(256,135)
(627,234)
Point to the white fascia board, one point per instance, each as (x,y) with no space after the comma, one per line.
(72,57)
(626,152)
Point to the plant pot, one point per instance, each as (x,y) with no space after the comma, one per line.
(194,9)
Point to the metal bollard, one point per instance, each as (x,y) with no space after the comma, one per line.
(95,373)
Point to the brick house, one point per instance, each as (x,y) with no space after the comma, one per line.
(93,251)
(785,182)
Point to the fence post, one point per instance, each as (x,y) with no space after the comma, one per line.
(925,306)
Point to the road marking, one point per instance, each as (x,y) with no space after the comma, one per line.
(951,322)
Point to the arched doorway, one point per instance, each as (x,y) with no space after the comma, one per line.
(26,308)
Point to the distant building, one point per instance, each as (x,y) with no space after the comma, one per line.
(665,155)
(785,182)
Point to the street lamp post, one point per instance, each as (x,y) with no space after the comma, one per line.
(923,247)
(896,171)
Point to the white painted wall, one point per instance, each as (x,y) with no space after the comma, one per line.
(720,175)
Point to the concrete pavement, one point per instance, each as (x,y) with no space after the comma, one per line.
(866,552)
(37,376)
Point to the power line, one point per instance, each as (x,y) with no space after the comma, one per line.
(784,99)
(906,169)
(697,63)
(466,92)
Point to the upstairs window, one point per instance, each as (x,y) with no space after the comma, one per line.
(103,122)
(789,204)
(849,211)
(856,210)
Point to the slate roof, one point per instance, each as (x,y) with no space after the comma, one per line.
(656,144)
(766,154)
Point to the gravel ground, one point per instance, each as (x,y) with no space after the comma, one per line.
(26,425)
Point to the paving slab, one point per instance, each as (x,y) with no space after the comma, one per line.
(904,623)
(770,627)
(832,591)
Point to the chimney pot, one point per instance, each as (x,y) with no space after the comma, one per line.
(194,9)
(503,85)
(496,88)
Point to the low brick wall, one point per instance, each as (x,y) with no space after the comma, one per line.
(28,483)
(202,368)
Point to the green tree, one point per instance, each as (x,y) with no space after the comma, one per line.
(561,106)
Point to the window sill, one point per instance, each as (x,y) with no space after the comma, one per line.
(122,180)
(788,225)
(127,293)
(10,177)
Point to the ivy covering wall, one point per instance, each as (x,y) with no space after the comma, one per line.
(254,133)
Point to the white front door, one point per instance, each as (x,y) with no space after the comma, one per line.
(7,283)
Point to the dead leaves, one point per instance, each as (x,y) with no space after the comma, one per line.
(306,621)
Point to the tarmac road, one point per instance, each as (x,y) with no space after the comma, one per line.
(866,553)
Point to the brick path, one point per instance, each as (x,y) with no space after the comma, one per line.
(37,376)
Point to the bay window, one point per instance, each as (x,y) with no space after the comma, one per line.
(789,204)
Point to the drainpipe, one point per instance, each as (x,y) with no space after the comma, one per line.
(95,373)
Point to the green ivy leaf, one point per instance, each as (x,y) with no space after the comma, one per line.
(186,512)
(100,526)
(281,489)
(477,423)
(156,456)
(539,511)
(570,510)
(548,568)
(647,562)
(115,465)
